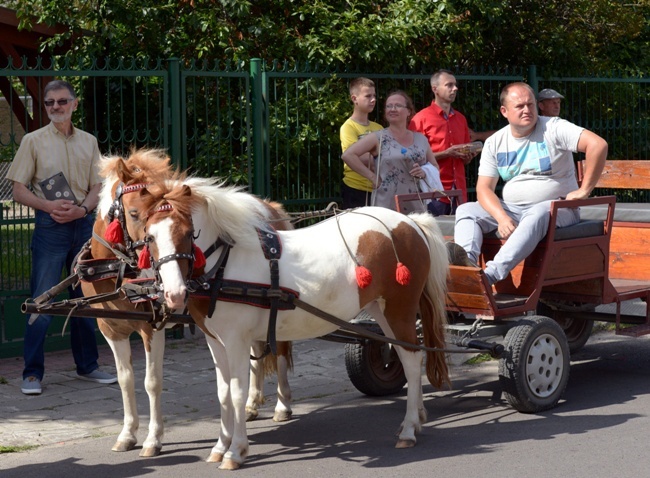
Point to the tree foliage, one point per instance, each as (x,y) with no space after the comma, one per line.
(369,35)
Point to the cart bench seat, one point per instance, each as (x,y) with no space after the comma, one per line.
(624,212)
(621,175)
(585,228)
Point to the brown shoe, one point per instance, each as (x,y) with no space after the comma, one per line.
(458,256)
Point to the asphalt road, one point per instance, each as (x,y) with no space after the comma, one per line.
(600,428)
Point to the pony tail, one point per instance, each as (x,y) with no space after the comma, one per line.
(437,368)
(432,301)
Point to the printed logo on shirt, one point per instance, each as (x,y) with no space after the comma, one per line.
(531,158)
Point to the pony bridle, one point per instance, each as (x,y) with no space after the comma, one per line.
(155,264)
(117,211)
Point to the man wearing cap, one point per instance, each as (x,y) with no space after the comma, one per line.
(548,101)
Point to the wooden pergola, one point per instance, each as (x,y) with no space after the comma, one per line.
(18,46)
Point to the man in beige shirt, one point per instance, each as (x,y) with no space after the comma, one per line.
(63,223)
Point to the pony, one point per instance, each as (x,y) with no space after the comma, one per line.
(374,259)
(143,167)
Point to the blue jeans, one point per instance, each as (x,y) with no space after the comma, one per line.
(472,222)
(439,208)
(54,246)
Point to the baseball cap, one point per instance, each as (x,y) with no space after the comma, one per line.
(548,94)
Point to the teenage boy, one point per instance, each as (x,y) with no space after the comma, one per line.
(355,188)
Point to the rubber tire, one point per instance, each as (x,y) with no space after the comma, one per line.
(577,331)
(370,373)
(537,342)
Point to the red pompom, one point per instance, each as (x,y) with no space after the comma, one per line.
(144,261)
(199,257)
(114,233)
(364,276)
(402,274)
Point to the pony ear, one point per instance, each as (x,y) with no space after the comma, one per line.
(123,171)
(187,191)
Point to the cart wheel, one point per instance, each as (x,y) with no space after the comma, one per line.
(374,368)
(577,331)
(534,370)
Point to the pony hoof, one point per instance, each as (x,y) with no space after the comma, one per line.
(251,415)
(405,443)
(282,416)
(122,446)
(215,458)
(230,465)
(150,452)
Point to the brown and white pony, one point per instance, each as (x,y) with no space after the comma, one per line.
(141,168)
(376,259)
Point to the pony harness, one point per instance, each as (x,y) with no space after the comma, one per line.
(214,287)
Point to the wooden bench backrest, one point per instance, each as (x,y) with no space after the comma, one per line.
(622,174)
(401,199)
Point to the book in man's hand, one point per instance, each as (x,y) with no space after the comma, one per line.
(57,187)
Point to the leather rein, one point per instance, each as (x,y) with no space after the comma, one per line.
(212,284)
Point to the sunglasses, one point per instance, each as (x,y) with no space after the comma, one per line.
(61,102)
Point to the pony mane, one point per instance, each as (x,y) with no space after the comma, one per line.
(182,203)
(142,165)
(233,212)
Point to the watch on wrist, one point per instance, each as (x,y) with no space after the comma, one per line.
(85,209)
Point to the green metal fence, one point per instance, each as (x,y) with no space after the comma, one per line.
(306,107)
(273,127)
(123,103)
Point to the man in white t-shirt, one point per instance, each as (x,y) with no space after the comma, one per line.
(533,155)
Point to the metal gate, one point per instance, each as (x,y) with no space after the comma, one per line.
(273,127)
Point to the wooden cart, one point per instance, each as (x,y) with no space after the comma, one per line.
(545,309)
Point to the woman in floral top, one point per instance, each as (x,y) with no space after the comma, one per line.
(403,153)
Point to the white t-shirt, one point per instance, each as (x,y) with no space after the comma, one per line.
(536,168)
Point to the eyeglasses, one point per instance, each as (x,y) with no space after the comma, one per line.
(61,102)
(395,107)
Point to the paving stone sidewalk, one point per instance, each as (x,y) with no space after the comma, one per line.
(72,409)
